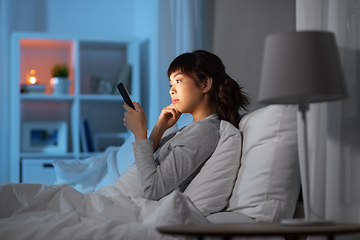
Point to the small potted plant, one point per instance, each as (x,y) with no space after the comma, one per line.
(60,80)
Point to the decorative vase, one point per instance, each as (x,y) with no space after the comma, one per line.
(60,85)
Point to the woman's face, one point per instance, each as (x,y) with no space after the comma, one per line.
(186,96)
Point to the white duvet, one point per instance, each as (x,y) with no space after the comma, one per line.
(31,211)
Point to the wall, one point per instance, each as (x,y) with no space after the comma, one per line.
(88,18)
(241,45)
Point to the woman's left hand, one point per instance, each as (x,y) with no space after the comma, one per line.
(135,121)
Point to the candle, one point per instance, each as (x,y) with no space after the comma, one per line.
(33,86)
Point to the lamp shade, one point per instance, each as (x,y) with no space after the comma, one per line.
(301,66)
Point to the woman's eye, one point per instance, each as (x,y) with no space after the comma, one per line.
(178,81)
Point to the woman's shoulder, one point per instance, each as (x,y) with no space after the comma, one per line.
(210,125)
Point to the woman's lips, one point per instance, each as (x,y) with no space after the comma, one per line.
(175,100)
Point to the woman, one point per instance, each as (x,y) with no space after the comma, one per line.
(200,86)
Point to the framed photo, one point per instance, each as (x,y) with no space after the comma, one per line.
(45,137)
(101,84)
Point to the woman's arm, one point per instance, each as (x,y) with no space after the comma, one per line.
(135,121)
(179,158)
(155,136)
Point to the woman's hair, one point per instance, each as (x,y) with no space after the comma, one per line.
(226,94)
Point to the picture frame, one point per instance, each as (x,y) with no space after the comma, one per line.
(101,84)
(44,137)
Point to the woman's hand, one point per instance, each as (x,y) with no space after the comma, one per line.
(168,117)
(135,121)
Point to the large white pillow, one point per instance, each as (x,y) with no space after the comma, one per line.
(268,182)
(211,189)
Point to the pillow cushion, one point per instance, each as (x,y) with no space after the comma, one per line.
(268,182)
(210,190)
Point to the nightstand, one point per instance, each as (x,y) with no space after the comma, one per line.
(229,230)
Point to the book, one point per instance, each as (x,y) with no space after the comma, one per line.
(83,141)
(33,88)
(89,140)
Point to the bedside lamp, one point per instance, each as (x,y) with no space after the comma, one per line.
(302,68)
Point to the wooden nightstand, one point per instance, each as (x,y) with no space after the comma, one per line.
(229,230)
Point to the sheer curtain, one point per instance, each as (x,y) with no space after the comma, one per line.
(178,28)
(334,128)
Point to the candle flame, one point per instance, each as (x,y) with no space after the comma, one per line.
(32,80)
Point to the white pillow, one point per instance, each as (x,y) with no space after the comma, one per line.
(129,183)
(210,190)
(268,182)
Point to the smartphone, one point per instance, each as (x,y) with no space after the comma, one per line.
(125,95)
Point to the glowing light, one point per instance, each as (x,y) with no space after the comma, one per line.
(32,72)
(32,80)
(54,81)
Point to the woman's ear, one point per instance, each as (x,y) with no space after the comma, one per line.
(207,84)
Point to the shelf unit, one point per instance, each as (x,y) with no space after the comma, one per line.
(86,56)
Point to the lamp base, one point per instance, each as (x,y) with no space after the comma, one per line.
(305,222)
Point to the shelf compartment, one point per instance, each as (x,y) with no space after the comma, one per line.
(102,117)
(100,59)
(48,111)
(41,55)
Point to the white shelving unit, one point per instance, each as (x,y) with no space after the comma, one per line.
(85,57)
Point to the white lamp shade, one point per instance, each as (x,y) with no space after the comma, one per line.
(300,66)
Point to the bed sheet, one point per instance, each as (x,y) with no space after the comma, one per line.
(33,211)
(93,173)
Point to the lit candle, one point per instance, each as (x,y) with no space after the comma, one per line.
(32,86)
(32,78)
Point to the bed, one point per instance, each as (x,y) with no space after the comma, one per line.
(253,176)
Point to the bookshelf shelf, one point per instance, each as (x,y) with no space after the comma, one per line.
(93,97)
(45,97)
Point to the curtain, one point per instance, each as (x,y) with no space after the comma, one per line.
(178,28)
(334,127)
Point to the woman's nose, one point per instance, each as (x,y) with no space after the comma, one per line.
(172,91)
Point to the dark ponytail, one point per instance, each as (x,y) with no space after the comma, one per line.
(229,99)
(226,94)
